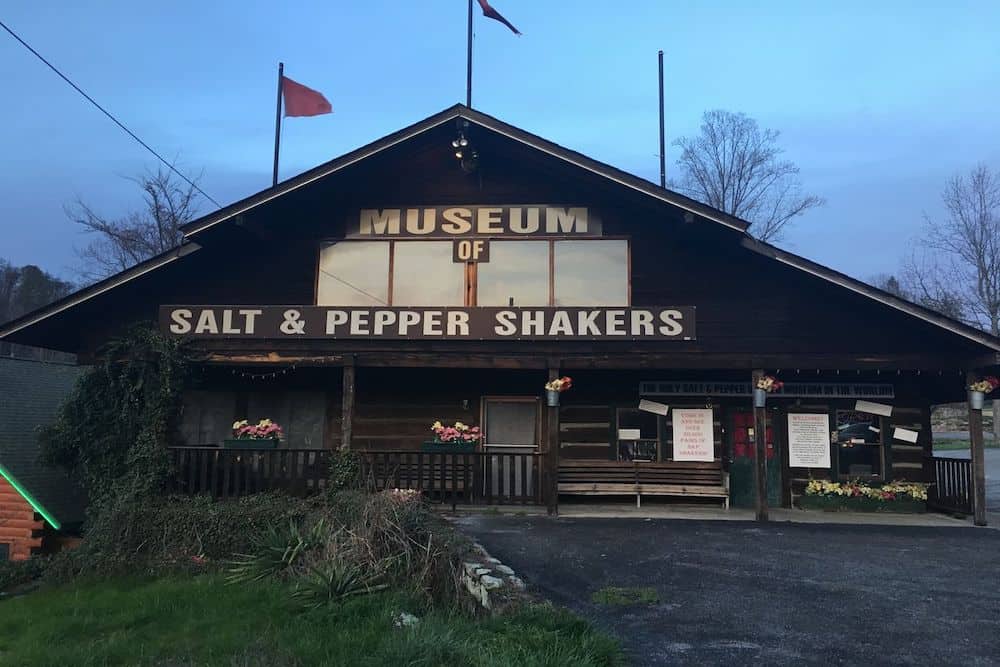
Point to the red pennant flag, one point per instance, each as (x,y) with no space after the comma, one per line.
(303,101)
(489,12)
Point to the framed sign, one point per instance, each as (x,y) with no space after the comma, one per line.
(694,434)
(808,440)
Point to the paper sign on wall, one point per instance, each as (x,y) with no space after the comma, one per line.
(905,434)
(694,435)
(628,434)
(873,408)
(654,407)
(808,440)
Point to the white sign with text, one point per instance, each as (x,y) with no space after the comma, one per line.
(808,440)
(694,435)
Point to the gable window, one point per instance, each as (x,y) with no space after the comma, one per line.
(591,273)
(353,274)
(523,273)
(424,275)
(516,275)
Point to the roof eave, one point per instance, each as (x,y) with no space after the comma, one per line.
(859,287)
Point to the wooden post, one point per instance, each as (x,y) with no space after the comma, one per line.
(760,445)
(978,459)
(347,407)
(552,454)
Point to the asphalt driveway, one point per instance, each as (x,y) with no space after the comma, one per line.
(736,592)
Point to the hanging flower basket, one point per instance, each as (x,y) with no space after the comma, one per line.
(979,389)
(555,387)
(765,385)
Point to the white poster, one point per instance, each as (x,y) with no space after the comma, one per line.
(694,437)
(906,435)
(808,440)
(874,408)
(654,407)
(628,434)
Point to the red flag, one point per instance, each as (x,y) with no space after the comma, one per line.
(303,101)
(489,12)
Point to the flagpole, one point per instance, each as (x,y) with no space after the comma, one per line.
(663,133)
(277,124)
(468,74)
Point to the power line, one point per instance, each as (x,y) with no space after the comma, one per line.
(108,114)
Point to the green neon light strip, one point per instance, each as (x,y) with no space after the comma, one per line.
(37,506)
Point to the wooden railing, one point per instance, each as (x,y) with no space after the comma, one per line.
(477,478)
(952,487)
(456,479)
(229,473)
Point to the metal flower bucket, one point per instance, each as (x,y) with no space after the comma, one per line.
(976,400)
(759,398)
(552,398)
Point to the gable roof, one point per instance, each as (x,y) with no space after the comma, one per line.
(623,179)
(460,111)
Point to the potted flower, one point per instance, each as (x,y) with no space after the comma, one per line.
(265,434)
(765,385)
(979,389)
(555,387)
(459,437)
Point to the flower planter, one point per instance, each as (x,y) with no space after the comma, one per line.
(856,504)
(448,447)
(759,398)
(552,398)
(251,443)
(976,400)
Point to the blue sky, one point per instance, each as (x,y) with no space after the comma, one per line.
(878,102)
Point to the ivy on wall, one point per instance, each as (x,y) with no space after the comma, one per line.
(113,430)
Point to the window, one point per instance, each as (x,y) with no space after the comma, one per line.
(423,274)
(591,273)
(526,273)
(353,274)
(859,445)
(517,274)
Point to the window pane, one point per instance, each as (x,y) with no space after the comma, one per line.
(591,273)
(517,270)
(354,274)
(424,275)
(860,452)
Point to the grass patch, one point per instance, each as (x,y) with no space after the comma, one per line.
(203,621)
(622,597)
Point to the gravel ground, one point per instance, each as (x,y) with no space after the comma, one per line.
(772,594)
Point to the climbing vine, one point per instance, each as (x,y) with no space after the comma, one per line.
(113,430)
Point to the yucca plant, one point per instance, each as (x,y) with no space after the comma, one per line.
(334,581)
(278,551)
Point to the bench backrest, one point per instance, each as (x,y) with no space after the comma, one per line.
(691,473)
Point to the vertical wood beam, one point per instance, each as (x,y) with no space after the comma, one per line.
(552,453)
(978,459)
(347,407)
(760,444)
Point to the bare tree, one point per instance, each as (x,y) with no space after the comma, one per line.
(735,166)
(959,260)
(120,243)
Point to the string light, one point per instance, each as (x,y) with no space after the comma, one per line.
(262,376)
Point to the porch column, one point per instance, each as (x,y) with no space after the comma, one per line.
(978,459)
(760,445)
(552,454)
(347,407)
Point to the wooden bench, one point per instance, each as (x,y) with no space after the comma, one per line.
(617,478)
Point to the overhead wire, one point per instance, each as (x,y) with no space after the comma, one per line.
(107,113)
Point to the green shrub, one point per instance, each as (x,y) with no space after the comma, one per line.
(344,472)
(175,532)
(113,429)
(15,573)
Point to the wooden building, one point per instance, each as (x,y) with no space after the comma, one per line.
(448,270)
